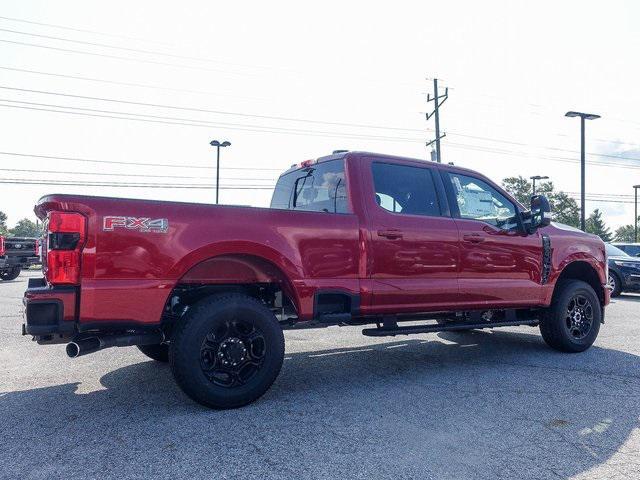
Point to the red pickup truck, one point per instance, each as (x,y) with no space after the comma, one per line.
(352,238)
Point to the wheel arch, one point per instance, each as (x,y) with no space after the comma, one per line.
(585,271)
(247,273)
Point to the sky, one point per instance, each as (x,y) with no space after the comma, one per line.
(148,85)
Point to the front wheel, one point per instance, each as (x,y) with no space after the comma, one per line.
(572,322)
(11,274)
(227,351)
(614,284)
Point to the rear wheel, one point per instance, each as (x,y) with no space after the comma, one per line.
(572,322)
(227,351)
(159,353)
(11,274)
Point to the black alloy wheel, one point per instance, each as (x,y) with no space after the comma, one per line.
(232,353)
(579,316)
(572,321)
(227,350)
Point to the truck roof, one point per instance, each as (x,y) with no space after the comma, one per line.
(357,153)
(41,206)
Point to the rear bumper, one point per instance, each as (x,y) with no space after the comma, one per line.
(50,312)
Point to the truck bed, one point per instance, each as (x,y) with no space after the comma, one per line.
(130,264)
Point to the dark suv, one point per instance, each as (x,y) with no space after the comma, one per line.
(624,271)
(17,253)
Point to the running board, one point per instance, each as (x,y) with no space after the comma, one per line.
(392,332)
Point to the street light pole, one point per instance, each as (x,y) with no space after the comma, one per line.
(534,178)
(218,144)
(635,217)
(583,117)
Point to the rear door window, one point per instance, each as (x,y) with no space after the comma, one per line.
(319,188)
(405,190)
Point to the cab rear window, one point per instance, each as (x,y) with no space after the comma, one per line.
(319,188)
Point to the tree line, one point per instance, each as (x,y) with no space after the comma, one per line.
(566,209)
(24,228)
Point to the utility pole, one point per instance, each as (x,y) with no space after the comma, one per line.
(583,117)
(436,113)
(635,217)
(534,178)
(218,144)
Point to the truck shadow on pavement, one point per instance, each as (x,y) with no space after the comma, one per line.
(457,405)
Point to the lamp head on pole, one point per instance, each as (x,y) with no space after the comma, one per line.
(586,116)
(538,177)
(216,143)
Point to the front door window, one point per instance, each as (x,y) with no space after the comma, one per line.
(477,200)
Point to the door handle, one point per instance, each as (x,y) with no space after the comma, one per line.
(473,238)
(390,234)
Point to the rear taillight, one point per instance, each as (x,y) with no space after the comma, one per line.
(36,248)
(65,239)
(1,245)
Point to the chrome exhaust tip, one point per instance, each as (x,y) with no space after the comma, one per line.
(83,347)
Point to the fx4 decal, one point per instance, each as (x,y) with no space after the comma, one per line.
(142,224)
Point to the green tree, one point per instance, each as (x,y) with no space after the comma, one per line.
(520,188)
(564,208)
(3,223)
(626,233)
(595,224)
(25,228)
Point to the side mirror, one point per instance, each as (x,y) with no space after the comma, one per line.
(540,212)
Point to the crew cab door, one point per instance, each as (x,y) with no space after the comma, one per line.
(413,241)
(500,265)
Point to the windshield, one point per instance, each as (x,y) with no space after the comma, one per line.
(615,251)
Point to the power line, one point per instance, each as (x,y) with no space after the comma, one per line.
(145,175)
(13,19)
(142,164)
(130,84)
(25,181)
(200,123)
(204,110)
(601,200)
(118,57)
(271,117)
(129,49)
(544,157)
(609,196)
(261,129)
(549,110)
(501,98)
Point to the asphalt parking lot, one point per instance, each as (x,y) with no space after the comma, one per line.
(461,406)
